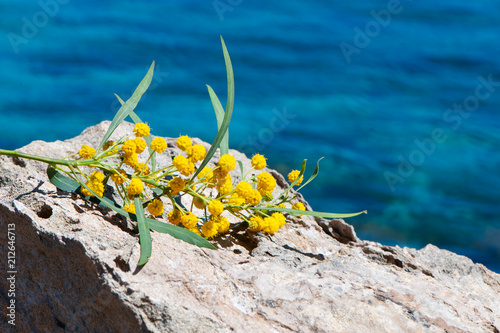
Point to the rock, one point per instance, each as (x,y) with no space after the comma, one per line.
(76,266)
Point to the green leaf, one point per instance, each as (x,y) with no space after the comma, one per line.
(310,213)
(180,233)
(129,105)
(219,115)
(230,77)
(157,191)
(241,167)
(144,233)
(315,173)
(119,99)
(227,115)
(61,181)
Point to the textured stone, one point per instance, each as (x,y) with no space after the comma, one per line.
(77,271)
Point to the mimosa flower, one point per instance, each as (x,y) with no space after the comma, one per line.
(86,152)
(141,129)
(293,175)
(258,162)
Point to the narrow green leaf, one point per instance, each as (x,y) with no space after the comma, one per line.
(119,99)
(315,173)
(144,233)
(129,105)
(61,181)
(157,191)
(177,199)
(180,233)
(230,77)
(219,115)
(311,213)
(227,115)
(241,167)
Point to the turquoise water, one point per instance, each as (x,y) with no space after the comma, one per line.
(395,99)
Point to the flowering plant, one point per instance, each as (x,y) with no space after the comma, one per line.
(144,186)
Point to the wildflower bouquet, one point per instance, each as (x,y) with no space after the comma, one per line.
(143,187)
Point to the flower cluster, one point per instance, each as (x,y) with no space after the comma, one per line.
(95,183)
(204,199)
(213,194)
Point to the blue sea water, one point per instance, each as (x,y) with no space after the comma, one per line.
(400,98)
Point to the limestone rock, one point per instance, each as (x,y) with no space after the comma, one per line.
(77,271)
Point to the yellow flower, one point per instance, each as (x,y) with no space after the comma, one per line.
(155,207)
(222,224)
(183,142)
(97,176)
(197,153)
(86,152)
(258,162)
(206,175)
(129,147)
(176,185)
(215,207)
(130,208)
(198,203)
(98,188)
(131,160)
(95,186)
(174,216)
(189,170)
(219,174)
(265,183)
(180,162)
(270,225)
(280,218)
(254,197)
(140,145)
(141,129)
(293,175)
(224,185)
(235,200)
(108,145)
(226,163)
(267,197)
(136,187)
(256,223)
(282,205)
(159,145)
(183,165)
(189,220)
(210,229)
(244,189)
(117,178)
(299,206)
(141,168)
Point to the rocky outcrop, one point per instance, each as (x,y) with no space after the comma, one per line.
(76,271)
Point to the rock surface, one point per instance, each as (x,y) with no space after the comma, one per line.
(76,271)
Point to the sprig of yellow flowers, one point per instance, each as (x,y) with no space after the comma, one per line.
(143,186)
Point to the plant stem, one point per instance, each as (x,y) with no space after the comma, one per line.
(47,159)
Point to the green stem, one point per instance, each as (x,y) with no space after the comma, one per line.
(47,159)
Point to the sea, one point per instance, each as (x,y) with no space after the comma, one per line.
(399,99)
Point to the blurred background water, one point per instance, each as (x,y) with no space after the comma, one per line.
(401,98)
